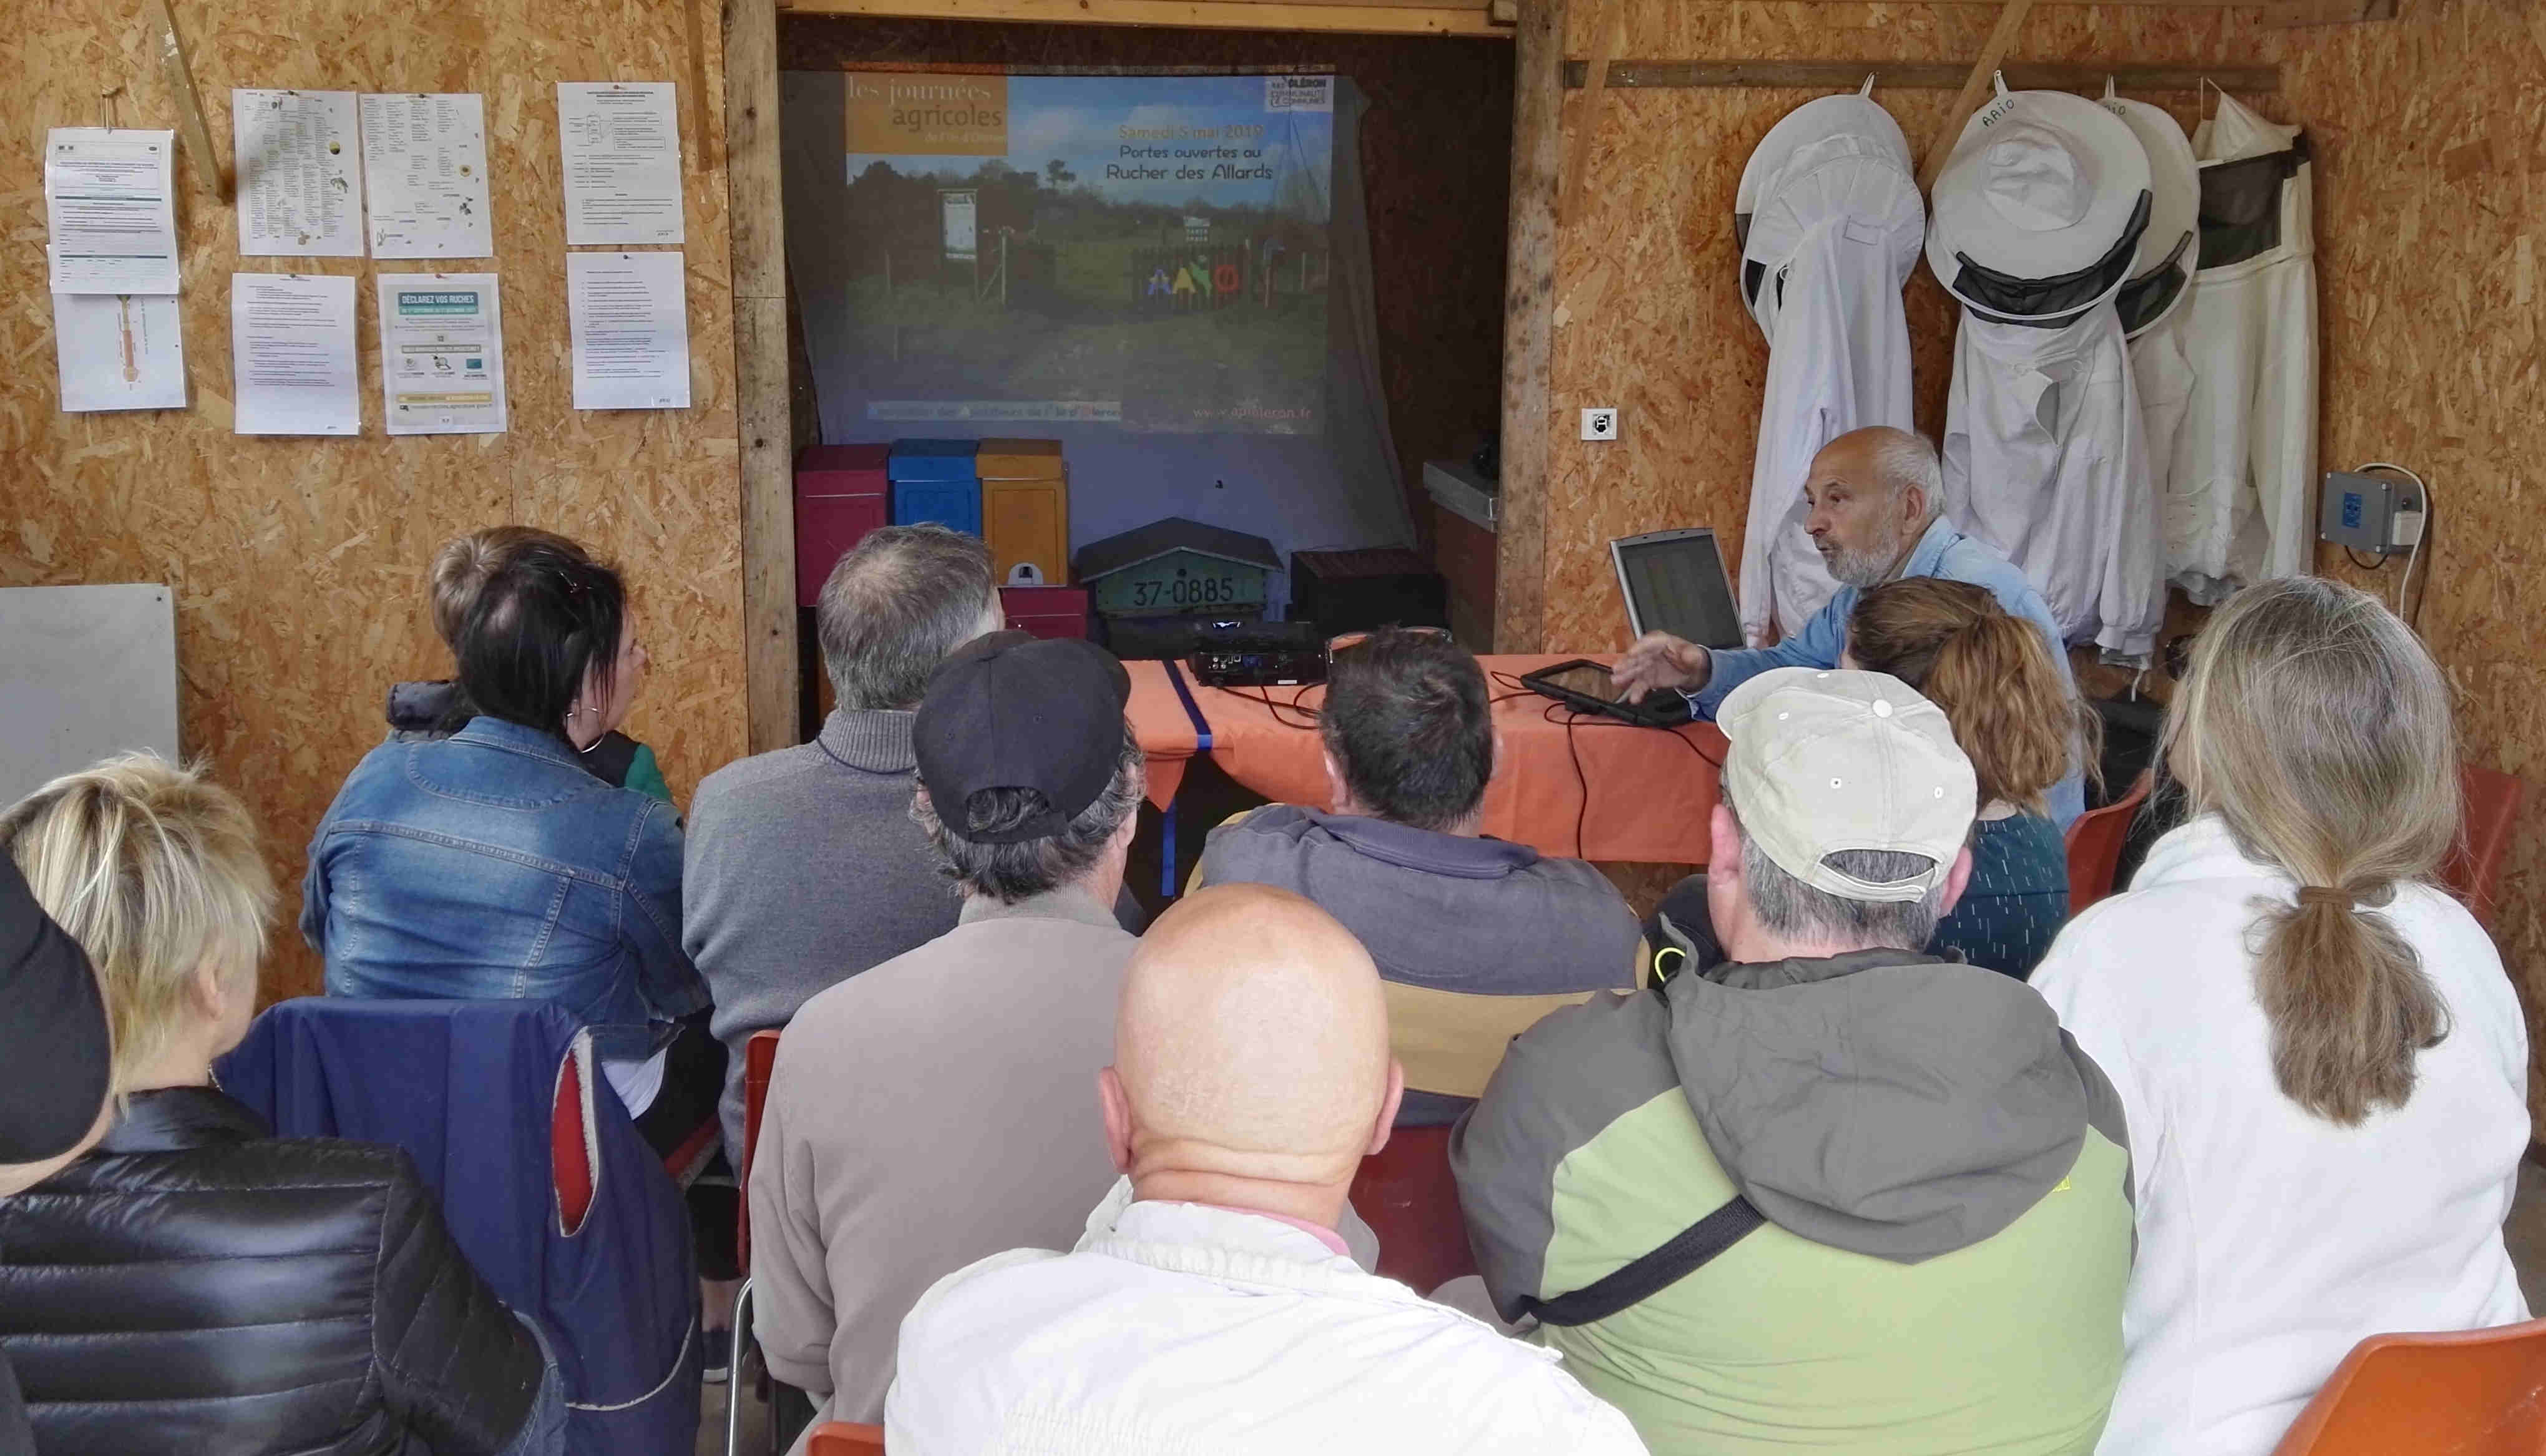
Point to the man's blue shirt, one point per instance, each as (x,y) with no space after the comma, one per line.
(1942,552)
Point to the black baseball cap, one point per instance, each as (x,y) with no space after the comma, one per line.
(52,1030)
(1008,710)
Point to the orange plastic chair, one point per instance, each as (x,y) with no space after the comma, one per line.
(1405,1193)
(840,1438)
(2469,1392)
(2095,845)
(2474,867)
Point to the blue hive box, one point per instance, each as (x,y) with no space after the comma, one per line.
(936,482)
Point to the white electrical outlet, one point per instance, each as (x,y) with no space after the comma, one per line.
(1600,424)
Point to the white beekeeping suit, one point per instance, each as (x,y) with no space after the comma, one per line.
(2151,303)
(2043,459)
(2243,477)
(2036,225)
(1830,220)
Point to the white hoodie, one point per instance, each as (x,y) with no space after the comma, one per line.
(2273,1241)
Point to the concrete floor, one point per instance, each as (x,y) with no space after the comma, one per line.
(2525,1233)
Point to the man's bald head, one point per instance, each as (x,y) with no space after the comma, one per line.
(1869,495)
(1252,1043)
(1881,457)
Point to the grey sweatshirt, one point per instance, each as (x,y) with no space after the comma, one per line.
(802,868)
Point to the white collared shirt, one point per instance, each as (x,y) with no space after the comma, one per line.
(1186,1329)
(2044,458)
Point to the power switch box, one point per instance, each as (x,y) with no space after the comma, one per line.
(2370,512)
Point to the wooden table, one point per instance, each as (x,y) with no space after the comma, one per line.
(1588,787)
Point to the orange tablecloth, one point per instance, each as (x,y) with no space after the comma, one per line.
(1650,789)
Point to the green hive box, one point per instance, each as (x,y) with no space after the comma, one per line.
(1176,567)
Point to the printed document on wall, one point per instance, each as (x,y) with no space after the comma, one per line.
(110,203)
(442,352)
(424,162)
(622,145)
(299,172)
(119,352)
(292,354)
(630,316)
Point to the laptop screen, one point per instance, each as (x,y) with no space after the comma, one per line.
(1675,583)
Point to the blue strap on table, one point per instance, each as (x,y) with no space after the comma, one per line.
(1168,815)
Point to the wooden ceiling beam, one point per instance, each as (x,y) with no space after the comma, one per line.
(1352,17)
(1845,75)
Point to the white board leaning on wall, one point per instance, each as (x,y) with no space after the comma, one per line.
(85,672)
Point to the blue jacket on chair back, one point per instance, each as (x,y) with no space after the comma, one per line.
(472,1090)
(489,866)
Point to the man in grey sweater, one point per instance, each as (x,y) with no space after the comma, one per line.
(802,866)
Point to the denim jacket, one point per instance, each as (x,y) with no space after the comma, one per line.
(490,866)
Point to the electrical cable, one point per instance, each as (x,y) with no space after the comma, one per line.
(2412,555)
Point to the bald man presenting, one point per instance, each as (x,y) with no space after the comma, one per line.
(1211,1306)
(1876,499)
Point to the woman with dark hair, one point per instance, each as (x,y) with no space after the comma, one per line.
(490,864)
(2016,719)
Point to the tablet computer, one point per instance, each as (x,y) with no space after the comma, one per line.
(1586,686)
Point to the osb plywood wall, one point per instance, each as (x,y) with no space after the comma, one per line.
(2431,191)
(1434,145)
(298,563)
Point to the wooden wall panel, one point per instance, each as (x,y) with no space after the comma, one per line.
(298,563)
(1648,318)
(2430,193)
(1433,145)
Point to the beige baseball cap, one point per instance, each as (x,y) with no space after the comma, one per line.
(1823,762)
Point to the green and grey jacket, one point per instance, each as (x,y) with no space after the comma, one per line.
(1945,1182)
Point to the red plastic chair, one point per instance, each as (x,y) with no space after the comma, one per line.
(759,1060)
(842,1439)
(2470,1393)
(2095,845)
(1405,1193)
(2474,867)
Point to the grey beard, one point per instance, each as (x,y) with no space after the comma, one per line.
(1863,569)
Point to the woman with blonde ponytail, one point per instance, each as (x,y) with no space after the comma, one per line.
(2017,721)
(2323,1065)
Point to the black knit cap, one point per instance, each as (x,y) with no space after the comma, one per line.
(53,1046)
(1009,711)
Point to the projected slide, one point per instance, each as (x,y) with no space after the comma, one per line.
(1145,251)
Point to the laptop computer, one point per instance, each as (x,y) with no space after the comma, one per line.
(1674,582)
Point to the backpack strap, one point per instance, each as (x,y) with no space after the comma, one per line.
(1691,1249)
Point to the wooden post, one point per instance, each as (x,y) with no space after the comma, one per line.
(761,403)
(1529,326)
(2010,18)
(181,83)
(1608,27)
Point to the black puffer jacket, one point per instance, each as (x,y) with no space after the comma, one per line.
(198,1287)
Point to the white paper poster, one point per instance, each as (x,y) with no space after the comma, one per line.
(119,352)
(630,316)
(292,354)
(299,174)
(442,352)
(109,202)
(424,163)
(622,143)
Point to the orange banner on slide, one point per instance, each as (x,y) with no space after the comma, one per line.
(900,114)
